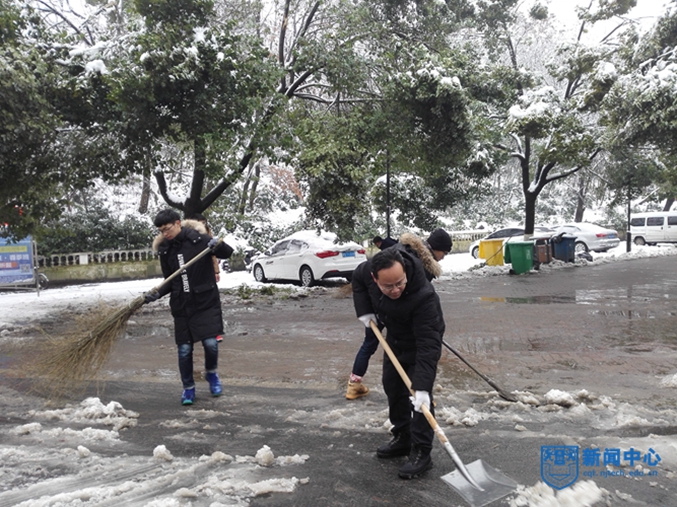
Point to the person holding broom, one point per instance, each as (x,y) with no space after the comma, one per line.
(195,302)
(394,288)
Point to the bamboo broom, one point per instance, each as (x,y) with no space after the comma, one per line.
(71,362)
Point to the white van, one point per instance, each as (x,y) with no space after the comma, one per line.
(654,227)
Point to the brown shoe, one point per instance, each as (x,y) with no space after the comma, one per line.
(356,390)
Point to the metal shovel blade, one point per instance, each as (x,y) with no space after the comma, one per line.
(494,484)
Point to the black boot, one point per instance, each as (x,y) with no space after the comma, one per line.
(419,462)
(400,445)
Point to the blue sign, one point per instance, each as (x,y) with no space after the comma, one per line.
(16,261)
(559,465)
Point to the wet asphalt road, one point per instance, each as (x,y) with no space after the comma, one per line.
(610,329)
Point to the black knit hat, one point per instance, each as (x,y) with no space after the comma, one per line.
(440,240)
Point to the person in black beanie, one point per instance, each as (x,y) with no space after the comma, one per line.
(382,243)
(440,243)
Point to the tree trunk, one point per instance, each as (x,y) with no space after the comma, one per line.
(255,184)
(247,194)
(145,192)
(529,212)
(668,204)
(580,198)
(243,199)
(194,202)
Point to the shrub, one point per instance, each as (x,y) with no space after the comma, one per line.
(92,230)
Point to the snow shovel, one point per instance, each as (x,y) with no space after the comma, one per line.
(503,394)
(479,484)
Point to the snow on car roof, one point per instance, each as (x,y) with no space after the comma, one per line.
(323,240)
(586,226)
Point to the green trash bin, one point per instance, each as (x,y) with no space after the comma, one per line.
(521,255)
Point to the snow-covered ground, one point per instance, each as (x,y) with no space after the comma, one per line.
(23,306)
(96,478)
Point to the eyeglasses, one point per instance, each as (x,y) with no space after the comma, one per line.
(166,228)
(391,287)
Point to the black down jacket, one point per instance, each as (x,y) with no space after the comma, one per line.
(414,321)
(195,300)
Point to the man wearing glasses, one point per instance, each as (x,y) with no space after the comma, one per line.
(195,302)
(393,289)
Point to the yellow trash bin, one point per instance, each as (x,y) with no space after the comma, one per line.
(492,251)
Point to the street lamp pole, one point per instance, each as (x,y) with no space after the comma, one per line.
(387,194)
(628,235)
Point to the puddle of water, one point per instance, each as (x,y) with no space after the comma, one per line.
(609,297)
(532,300)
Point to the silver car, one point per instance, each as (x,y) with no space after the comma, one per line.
(590,237)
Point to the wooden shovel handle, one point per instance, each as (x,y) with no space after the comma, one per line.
(426,411)
(405,378)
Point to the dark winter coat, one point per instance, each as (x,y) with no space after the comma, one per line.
(425,254)
(195,302)
(414,321)
(387,242)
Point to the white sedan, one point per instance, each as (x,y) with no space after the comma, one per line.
(590,237)
(307,256)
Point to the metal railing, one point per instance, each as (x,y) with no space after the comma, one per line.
(473,235)
(107,256)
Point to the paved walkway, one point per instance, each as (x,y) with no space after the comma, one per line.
(609,330)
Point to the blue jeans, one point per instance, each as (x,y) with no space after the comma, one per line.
(369,346)
(211,348)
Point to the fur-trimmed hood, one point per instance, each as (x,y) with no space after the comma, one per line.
(423,252)
(185,224)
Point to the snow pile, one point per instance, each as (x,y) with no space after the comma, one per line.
(633,416)
(36,431)
(669,380)
(265,456)
(583,407)
(455,417)
(561,398)
(74,476)
(581,494)
(161,453)
(91,411)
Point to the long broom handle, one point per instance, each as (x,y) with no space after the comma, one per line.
(503,394)
(186,265)
(424,408)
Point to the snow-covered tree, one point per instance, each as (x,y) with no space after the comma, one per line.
(553,122)
(32,168)
(641,110)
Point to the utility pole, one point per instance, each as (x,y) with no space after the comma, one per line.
(387,194)
(628,235)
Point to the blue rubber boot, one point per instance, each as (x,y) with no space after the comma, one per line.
(188,396)
(214,384)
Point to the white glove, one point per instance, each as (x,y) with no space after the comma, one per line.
(364,319)
(420,398)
